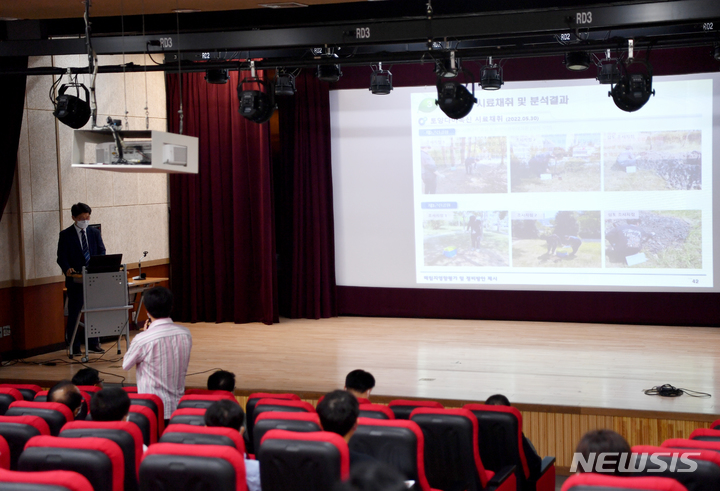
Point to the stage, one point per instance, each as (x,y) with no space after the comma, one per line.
(565,378)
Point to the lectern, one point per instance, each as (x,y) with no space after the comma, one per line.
(105,307)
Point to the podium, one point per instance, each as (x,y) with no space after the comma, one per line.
(105,307)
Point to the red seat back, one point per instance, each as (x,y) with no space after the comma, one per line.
(54,413)
(126,426)
(230,433)
(289,457)
(153,402)
(69,480)
(28,391)
(377,411)
(146,420)
(8,395)
(203,400)
(51,446)
(403,407)
(588,481)
(4,454)
(192,459)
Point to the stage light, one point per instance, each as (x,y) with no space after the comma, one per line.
(634,88)
(256,105)
(577,61)
(447,68)
(217,76)
(72,110)
(329,73)
(381,81)
(608,72)
(491,77)
(454,99)
(285,84)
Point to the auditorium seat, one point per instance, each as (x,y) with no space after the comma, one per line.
(8,395)
(274,405)
(17,430)
(292,461)
(206,392)
(203,435)
(44,481)
(98,459)
(279,420)
(90,389)
(194,467)
(28,391)
(130,389)
(126,434)
(203,401)
(153,402)
(715,425)
(402,408)
(501,444)
(452,459)
(361,400)
(145,419)
(705,434)
(54,414)
(399,443)
(376,411)
(188,416)
(4,454)
(705,478)
(601,482)
(250,411)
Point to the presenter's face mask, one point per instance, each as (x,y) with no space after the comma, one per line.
(82,221)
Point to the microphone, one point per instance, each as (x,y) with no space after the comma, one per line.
(141,275)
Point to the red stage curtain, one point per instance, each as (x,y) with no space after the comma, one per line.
(13,89)
(222,244)
(306,234)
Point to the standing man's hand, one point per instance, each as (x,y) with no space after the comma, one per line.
(69,272)
(146,325)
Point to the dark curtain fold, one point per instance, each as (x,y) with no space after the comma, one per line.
(306,236)
(222,244)
(13,89)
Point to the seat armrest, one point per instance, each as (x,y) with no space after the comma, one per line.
(546,463)
(500,477)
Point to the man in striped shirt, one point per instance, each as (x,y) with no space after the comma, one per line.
(161,353)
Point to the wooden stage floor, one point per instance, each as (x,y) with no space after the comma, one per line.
(585,365)
(566,378)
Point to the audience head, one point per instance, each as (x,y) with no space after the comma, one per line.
(359,383)
(497,400)
(338,412)
(226,414)
(221,380)
(87,376)
(67,393)
(158,302)
(110,405)
(373,476)
(599,441)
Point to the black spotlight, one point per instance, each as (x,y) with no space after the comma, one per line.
(634,88)
(608,72)
(491,77)
(256,105)
(329,73)
(454,99)
(381,81)
(72,110)
(284,84)
(577,61)
(217,76)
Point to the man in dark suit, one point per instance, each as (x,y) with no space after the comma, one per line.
(77,244)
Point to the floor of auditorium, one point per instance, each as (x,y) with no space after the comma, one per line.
(566,378)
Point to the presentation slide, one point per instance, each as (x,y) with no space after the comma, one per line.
(544,185)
